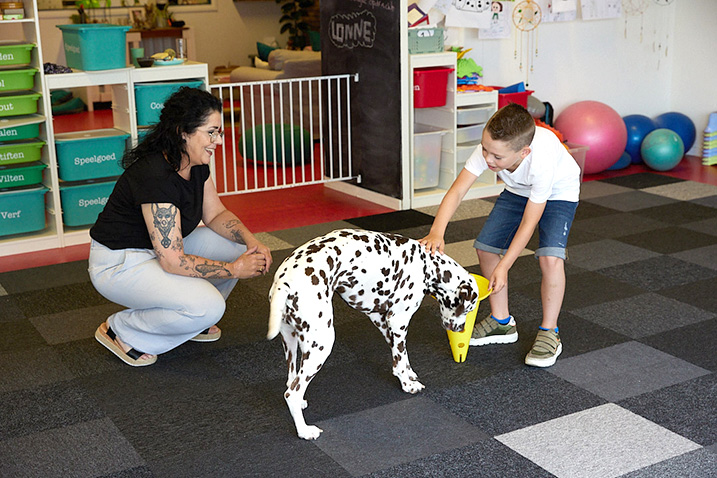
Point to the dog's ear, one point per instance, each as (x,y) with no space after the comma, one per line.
(466,296)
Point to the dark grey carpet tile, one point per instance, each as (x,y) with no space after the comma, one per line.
(710,201)
(597,189)
(643,315)
(689,343)
(588,210)
(669,240)
(704,256)
(514,399)
(393,434)
(40,278)
(19,335)
(31,368)
(678,213)
(706,226)
(44,408)
(617,225)
(699,293)
(136,472)
(580,336)
(271,454)
(58,299)
(85,449)
(695,464)
(485,459)
(457,231)
(630,201)
(605,253)
(392,221)
(73,325)
(658,273)
(246,318)
(300,235)
(641,180)
(9,311)
(687,408)
(625,370)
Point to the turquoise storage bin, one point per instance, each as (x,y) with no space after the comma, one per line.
(22,210)
(95,46)
(12,129)
(83,202)
(21,175)
(90,154)
(150,98)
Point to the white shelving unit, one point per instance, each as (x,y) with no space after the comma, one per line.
(454,153)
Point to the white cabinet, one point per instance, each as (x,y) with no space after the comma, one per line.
(460,122)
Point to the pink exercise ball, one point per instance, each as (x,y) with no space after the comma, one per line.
(594,124)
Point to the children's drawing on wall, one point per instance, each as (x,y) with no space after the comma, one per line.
(600,9)
(558,10)
(499,23)
(469,14)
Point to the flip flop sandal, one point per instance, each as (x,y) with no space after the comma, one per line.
(205,336)
(106,336)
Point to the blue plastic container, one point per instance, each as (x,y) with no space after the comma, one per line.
(95,46)
(82,203)
(22,210)
(90,154)
(150,98)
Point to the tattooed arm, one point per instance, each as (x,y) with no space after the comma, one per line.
(164,225)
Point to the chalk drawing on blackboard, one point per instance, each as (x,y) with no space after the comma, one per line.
(353,30)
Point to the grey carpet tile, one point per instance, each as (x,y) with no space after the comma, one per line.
(686,408)
(617,225)
(684,191)
(134,472)
(9,311)
(73,325)
(393,434)
(624,370)
(470,209)
(18,336)
(678,212)
(700,293)
(93,448)
(40,278)
(485,459)
(703,256)
(31,368)
(689,343)
(642,180)
(299,235)
(580,336)
(584,444)
(514,399)
(643,315)
(589,210)
(658,273)
(46,407)
(58,299)
(700,463)
(392,221)
(606,253)
(597,189)
(710,201)
(706,226)
(669,240)
(630,200)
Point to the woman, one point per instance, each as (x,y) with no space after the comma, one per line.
(147,252)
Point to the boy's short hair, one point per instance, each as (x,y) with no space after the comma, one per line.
(512,124)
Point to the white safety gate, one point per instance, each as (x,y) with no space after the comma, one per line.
(284,133)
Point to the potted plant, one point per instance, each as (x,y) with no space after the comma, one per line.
(293,14)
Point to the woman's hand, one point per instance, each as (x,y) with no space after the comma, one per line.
(263,250)
(433,242)
(250,264)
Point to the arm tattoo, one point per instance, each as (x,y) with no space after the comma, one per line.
(236,236)
(164,221)
(209,269)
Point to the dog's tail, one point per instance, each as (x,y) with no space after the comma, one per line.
(277,305)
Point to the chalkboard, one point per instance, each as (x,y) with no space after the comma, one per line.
(363,36)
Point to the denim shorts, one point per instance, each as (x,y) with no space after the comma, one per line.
(504,219)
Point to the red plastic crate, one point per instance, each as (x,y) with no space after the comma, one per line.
(430,87)
(520,98)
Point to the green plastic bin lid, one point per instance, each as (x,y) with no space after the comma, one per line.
(32,95)
(90,134)
(22,120)
(18,71)
(15,43)
(33,188)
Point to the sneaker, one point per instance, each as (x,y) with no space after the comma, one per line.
(545,350)
(489,331)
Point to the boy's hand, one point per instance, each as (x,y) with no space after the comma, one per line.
(498,279)
(432,243)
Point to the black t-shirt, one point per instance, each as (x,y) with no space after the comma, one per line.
(153,180)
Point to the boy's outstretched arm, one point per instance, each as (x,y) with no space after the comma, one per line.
(531,216)
(434,240)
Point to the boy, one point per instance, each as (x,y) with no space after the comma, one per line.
(542,187)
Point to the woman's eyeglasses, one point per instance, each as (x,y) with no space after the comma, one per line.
(214,135)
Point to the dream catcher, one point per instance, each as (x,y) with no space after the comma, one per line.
(661,31)
(526,18)
(633,8)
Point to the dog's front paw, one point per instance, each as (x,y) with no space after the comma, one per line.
(412,386)
(310,432)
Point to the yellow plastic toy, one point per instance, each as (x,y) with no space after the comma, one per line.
(460,340)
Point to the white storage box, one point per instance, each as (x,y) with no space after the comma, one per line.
(468,134)
(468,115)
(426,156)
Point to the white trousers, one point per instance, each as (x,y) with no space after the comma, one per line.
(164,310)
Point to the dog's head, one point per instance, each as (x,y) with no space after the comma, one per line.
(456,298)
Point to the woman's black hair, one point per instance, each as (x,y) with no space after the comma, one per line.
(185,111)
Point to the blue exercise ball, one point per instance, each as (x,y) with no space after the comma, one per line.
(638,126)
(624,161)
(680,124)
(662,149)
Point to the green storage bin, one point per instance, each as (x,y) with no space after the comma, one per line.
(20,152)
(15,80)
(13,104)
(150,98)
(425,40)
(21,175)
(15,53)
(12,129)
(22,210)
(83,202)
(95,46)
(90,154)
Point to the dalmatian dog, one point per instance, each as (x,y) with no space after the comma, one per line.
(385,276)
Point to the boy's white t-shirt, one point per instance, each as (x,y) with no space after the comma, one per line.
(549,172)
